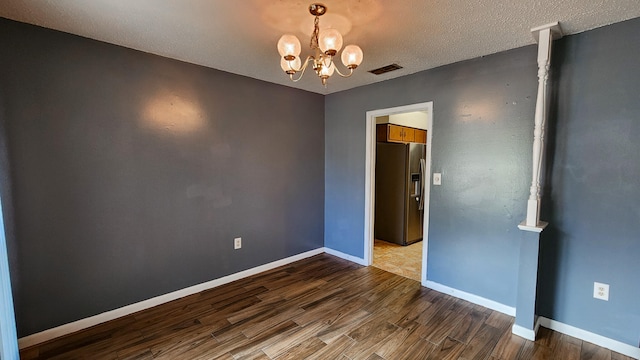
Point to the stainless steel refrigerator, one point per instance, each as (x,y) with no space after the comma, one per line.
(399,201)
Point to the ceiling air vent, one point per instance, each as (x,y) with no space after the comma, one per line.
(385,69)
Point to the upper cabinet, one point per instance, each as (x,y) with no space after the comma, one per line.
(421,136)
(397,133)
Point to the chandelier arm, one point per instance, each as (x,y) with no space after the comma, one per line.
(324,58)
(303,67)
(344,75)
(301,70)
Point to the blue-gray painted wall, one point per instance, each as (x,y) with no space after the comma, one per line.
(482,137)
(592,200)
(116,201)
(482,131)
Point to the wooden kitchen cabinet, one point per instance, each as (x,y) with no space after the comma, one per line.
(397,133)
(421,136)
(391,132)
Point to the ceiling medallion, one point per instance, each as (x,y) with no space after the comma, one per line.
(326,44)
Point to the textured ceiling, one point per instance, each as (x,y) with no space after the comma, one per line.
(240,36)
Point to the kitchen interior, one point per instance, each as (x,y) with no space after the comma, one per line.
(400,176)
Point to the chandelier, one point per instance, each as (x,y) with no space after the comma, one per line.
(325,44)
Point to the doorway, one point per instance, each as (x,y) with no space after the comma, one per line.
(370,168)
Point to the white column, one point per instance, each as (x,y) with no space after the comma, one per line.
(544,35)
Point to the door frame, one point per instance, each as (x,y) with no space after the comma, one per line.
(370,179)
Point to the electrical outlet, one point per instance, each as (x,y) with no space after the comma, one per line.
(437,179)
(237,243)
(601,291)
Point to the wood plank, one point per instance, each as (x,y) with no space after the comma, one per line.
(253,311)
(481,346)
(590,351)
(508,347)
(395,341)
(500,321)
(317,298)
(179,344)
(548,338)
(374,356)
(369,337)
(213,348)
(618,356)
(412,295)
(265,339)
(439,305)
(534,351)
(567,349)
(439,327)
(343,325)
(412,314)
(450,349)
(324,311)
(30,353)
(413,347)
(292,338)
(303,350)
(262,326)
(337,349)
(468,326)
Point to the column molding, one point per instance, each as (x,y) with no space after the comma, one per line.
(544,35)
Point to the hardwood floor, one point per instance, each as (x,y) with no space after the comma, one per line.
(318,308)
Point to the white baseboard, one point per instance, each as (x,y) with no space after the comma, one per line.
(85,323)
(342,255)
(587,336)
(479,300)
(523,332)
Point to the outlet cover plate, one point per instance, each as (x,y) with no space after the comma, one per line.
(601,291)
(437,179)
(237,243)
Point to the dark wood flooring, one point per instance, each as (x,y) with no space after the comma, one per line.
(318,308)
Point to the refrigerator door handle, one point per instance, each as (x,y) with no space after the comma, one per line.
(423,178)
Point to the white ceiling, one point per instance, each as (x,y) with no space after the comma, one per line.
(240,36)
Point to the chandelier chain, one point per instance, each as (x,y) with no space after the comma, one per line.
(313,43)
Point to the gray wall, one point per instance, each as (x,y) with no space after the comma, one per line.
(482,131)
(482,136)
(594,189)
(133,173)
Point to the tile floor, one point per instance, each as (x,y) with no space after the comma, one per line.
(401,260)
